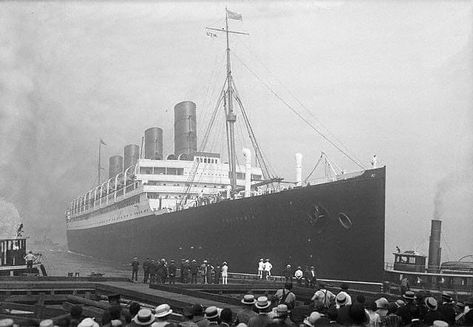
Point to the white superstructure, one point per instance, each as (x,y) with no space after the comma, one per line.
(157,187)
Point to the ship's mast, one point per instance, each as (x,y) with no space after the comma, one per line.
(230,115)
(228,95)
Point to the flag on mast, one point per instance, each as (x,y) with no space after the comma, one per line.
(102,142)
(234,15)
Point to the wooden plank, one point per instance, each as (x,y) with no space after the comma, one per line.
(34,298)
(31,308)
(81,300)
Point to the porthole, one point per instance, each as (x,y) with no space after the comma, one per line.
(344,220)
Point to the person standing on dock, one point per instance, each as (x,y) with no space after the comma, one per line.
(224,273)
(146,266)
(260,268)
(203,271)
(186,269)
(134,269)
(288,273)
(298,274)
(194,269)
(172,272)
(152,272)
(267,269)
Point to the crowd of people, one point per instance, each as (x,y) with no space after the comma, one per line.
(162,271)
(282,310)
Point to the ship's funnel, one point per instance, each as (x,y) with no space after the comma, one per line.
(185,128)
(115,166)
(154,143)
(131,153)
(434,247)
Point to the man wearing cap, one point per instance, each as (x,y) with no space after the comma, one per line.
(447,308)
(432,313)
(161,313)
(211,314)
(144,317)
(244,315)
(261,320)
(153,268)
(134,269)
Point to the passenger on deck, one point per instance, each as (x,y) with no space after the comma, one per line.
(261,320)
(244,315)
(447,308)
(162,313)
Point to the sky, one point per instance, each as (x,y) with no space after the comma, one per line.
(391,78)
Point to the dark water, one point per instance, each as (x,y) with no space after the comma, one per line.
(60,263)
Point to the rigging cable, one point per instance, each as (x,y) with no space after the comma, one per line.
(299,102)
(300,115)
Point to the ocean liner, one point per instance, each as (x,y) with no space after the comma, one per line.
(194,204)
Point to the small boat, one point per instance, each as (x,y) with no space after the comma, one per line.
(13,262)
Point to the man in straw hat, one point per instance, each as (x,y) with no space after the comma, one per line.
(161,313)
(244,315)
(432,314)
(410,310)
(88,322)
(211,314)
(261,320)
(144,317)
(282,316)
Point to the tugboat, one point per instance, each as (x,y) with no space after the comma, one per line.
(454,277)
(12,259)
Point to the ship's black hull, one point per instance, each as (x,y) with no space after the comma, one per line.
(299,227)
